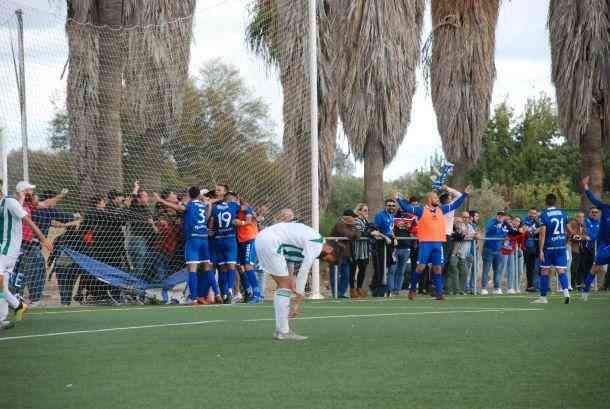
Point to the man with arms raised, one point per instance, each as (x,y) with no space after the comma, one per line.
(602,256)
(431,232)
(296,241)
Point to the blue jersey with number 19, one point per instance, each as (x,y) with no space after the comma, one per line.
(556,222)
(225,216)
(195,220)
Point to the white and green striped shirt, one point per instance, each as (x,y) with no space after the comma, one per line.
(11,230)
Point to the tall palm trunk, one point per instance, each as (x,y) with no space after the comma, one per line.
(380,55)
(94,86)
(462,75)
(580,49)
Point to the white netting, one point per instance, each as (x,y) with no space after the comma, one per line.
(170,94)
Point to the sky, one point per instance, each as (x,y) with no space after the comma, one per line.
(522,63)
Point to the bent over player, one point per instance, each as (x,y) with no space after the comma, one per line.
(299,242)
(602,257)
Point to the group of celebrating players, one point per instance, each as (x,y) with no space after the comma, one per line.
(221,234)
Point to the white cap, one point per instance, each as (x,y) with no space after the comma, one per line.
(203,192)
(23,185)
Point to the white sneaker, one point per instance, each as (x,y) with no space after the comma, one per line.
(289,336)
(237,298)
(484,291)
(511,291)
(540,300)
(585,296)
(498,291)
(6,324)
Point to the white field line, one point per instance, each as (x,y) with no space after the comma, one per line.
(323,303)
(179,324)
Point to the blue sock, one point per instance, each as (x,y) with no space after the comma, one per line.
(192,283)
(253,282)
(563,279)
(203,286)
(231,278)
(415,277)
(222,281)
(544,285)
(211,279)
(588,281)
(438,283)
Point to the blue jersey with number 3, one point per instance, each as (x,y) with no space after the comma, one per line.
(195,220)
(225,215)
(556,222)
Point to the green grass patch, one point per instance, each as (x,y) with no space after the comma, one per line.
(466,352)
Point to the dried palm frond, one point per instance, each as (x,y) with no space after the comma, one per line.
(261,31)
(381,53)
(580,48)
(462,73)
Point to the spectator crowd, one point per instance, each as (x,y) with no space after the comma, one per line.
(142,233)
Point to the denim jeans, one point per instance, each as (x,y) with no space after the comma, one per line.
(138,250)
(342,271)
(31,273)
(514,269)
(396,273)
(66,279)
(495,260)
(161,268)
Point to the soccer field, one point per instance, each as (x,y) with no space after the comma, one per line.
(466,352)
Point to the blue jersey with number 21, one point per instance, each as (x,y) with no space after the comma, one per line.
(556,222)
(195,220)
(225,215)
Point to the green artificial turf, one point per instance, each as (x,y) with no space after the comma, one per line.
(465,352)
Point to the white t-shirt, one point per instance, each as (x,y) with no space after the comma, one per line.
(11,230)
(297,242)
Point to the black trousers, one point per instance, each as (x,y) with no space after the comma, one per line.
(531,254)
(382,261)
(359,267)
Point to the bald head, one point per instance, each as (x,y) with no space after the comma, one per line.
(286,215)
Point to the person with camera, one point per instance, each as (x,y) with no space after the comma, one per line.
(461,260)
(578,239)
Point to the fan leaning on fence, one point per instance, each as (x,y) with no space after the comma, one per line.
(431,233)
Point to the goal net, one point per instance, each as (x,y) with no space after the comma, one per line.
(140,98)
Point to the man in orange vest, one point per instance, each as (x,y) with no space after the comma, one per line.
(431,233)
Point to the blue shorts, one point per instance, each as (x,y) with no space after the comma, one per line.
(431,252)
(557,258)
(603,255)
(247,253)
(197,251)
(225,251)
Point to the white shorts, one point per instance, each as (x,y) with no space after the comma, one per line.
(269,260)
(7,265)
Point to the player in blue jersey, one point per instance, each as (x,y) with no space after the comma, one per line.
(223,221)
(602,256)
(553,251)
(196,245)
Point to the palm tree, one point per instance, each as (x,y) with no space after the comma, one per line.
(127,58)
(277,33)
(94,81)
(381,44)
(462,74)
(580,51)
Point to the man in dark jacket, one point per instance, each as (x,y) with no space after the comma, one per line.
(343,250)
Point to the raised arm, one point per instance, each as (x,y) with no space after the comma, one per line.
(176,206)
(53,201)
(590,195)
(457,202)
(407,207)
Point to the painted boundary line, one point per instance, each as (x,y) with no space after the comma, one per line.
(309,303)
(180,324)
